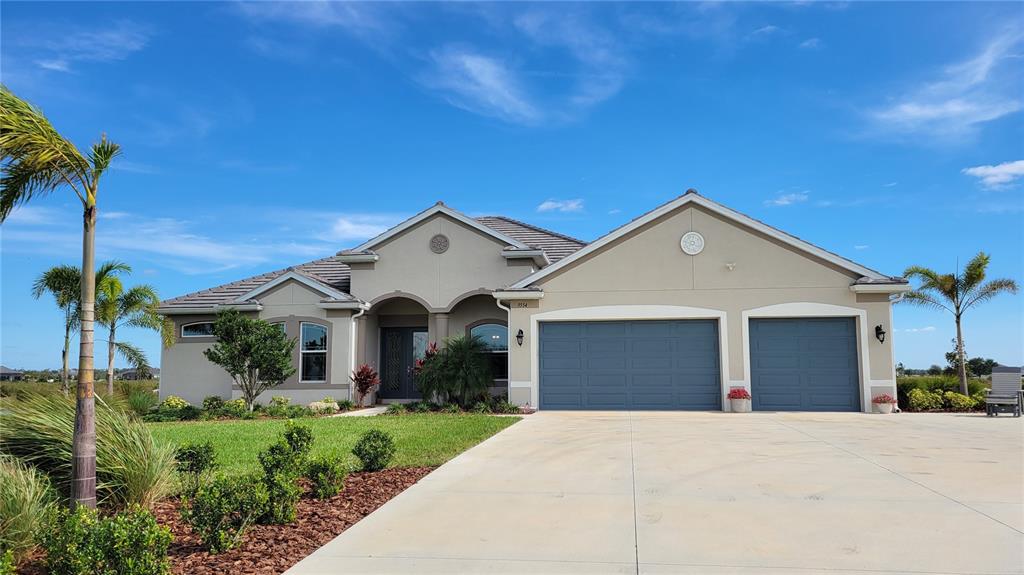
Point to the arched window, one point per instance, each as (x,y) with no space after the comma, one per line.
(495,338)
(198,329)
(313,353)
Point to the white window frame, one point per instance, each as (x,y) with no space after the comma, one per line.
(195,323)
(327,347)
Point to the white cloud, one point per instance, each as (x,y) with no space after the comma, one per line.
(59,47)
(965,96)
(32,215)
(358,226)
(860,247)
(999,175)
(788,199)
(56,65)
(889,185)
(614,211)
(926,329)
(480,84)
(561,206)
(810,44)
(354,16)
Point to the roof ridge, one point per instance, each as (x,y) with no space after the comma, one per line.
(536,228)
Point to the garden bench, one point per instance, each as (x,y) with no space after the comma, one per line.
(1006,394)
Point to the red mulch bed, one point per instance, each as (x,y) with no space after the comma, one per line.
(272,549)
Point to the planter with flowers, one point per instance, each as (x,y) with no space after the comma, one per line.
(883,403)
(739,400)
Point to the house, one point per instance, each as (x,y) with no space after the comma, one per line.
(8,374)
(669,311)
(134,374)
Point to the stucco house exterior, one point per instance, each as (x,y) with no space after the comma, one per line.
(669,311)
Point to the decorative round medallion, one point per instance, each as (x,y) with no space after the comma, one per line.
(692,243)
(439,244)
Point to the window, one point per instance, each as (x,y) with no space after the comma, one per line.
(201,329)
(313,353)
(495,338)
(279,325)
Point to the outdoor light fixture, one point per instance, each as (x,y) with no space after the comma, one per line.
(880,333)
(519,337)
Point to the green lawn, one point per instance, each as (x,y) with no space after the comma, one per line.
(420,439)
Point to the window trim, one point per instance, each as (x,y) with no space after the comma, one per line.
(495,321)
(184,325)
(327,347)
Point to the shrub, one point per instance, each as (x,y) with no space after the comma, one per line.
(299,439)
(420,407)
(235,408)
(129,543)
(505,406)
(142,402)
(395,409)
(958,401)
(222,510)
(346,405)
(282,464)
(196,458)
(921,400)
(327,475)
(374,449)
(280,400)
(213,403)
(451,408)
(460,372)
(26,500)
(979,399)
(7,562)
(481,407)
(174,402)
(130,466)
(364,380)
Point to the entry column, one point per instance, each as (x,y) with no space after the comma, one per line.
(437,328)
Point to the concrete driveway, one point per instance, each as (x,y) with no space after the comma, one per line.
(709,493)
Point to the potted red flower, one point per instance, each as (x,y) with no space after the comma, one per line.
(739,400)
(883,403)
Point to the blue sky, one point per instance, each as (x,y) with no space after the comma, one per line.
(262,135)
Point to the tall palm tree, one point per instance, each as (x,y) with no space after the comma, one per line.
(116,307)
(36,161)
(956,293)
(64,282)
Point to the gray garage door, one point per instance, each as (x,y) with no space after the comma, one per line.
(630,365)
(805,364)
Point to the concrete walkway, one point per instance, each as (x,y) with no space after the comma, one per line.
(367,412)
(708,493)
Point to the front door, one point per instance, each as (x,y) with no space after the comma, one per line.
(400,347)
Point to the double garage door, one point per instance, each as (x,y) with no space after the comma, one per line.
(805,364)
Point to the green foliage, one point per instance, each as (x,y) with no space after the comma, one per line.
(213,403)
(327,475)
(130,466)
(421,407)
(283,463)
(235,408)
(504,406)
(395,409)
(299,439)
(921,400)
(375,449)
(933,383)
(481,407)
(460,372)
(957,401)
(196,458)
(346,405)
(7,563)
(280,400)
(451,408)
(26,501)
(128,543)
(141,402)
(173,402)
(222,510)
(257,354)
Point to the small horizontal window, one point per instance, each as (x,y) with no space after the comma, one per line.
(202,329)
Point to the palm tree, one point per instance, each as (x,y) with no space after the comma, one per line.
(116,307)
(64,282)
(36,161)
(956,293)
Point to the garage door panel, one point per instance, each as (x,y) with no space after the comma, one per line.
(648,365)
(805,364)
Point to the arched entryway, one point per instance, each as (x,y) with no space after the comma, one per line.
(396,333)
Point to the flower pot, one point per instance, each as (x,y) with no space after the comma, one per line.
(883,407)
(739,405)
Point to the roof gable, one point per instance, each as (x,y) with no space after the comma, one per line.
(293,275)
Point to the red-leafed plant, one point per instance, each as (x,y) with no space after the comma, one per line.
(365,379)
(738,393)
(884,398)
(431,351)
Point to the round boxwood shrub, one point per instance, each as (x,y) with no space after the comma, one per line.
(129,543)
(223,509)
(327,475)
(374,449)
(958,401)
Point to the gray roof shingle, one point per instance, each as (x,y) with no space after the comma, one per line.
(554,244)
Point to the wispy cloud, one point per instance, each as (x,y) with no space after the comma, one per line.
(614,211)
(359,226)
(361,17)
(31,215)
(965,96)
(861,247)
(480,84)
(926,329)
(787,199)
(890,184)
(58,48)
(997,176)
(575,205)
(764,32)
(810,44)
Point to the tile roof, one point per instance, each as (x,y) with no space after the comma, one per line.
(331,272)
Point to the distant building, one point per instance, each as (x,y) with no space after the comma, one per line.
(135,375)
(8,374)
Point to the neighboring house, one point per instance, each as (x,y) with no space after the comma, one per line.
(134,375)
(669,311)
(8,374)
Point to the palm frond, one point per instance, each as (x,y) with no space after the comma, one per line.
(924,299)
(133,355)
(101,154)
(974,271)
(62,281)
(990,290)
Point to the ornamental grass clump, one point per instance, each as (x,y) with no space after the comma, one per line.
(131,467)
(26,501)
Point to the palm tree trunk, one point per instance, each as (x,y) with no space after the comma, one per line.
(962,367)
(110,363)
(65,353)
(83,450)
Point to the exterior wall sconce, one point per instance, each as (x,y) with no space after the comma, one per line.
(880,333)
(519,338)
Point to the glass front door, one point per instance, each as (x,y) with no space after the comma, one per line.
(400,348)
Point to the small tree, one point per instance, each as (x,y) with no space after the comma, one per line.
(459,372)
(256,354)
(365,379)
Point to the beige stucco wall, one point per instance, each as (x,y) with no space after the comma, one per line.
(648,267)
(473,262)
(187,373)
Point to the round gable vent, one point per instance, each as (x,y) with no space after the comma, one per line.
(439,244)
(692,243)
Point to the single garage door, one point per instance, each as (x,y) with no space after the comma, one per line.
(630,365)
(804,364)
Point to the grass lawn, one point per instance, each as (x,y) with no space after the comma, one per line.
(428,440)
